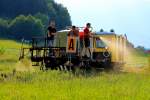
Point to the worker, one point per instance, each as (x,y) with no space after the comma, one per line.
(51,33)
(86,41)
(74,32)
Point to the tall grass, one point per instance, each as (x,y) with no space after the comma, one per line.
(53,85)
(56,85)
(2,51)
(9,54)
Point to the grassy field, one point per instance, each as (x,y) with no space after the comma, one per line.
(64,86)
(9,54)
(55,85)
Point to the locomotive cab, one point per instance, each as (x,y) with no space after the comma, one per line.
(109,48)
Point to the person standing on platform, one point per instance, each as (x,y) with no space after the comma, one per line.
(51,34)
(86,40)
(74,32)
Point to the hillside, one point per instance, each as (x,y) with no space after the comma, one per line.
(27,18)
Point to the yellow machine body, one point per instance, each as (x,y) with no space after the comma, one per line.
(115,44)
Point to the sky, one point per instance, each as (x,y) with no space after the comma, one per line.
(130,17)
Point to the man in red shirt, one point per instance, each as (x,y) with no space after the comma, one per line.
(86,40)
(87,35)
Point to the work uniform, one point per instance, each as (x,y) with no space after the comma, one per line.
(50,36)
(86,37)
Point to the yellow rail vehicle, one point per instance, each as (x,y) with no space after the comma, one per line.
(110,45)
(107,51)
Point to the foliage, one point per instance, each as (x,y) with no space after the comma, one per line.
(58,85)
(33,7)
(26,18)
(3,28)
(13,8)
(61,16)
(26,27)
(10,54)
(2,50)
(140,48)
(44,18)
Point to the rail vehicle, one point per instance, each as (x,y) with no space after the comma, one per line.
(107,51)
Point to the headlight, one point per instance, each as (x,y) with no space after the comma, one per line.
(106,48)
(106,54)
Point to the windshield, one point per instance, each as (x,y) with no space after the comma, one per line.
(100,43)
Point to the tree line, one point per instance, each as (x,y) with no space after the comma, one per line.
(27,18)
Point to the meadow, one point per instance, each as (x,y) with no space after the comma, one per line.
(33,84)
(53,85)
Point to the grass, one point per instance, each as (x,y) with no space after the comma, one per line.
(137,59)
(55,85)
(10,54)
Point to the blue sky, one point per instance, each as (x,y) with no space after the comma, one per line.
(131,17)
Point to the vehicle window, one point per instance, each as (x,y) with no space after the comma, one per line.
(100,43)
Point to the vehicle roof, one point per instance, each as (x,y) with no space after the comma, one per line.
(66,30)
(105,33)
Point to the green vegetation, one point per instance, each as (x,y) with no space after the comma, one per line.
(27,18)
(26,27)
(9,54)
(136,57)
(53,85)
(56,85)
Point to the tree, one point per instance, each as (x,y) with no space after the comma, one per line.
(44,18)
(26,27)
(13,8)
(47,8)
(140,48)
(60,15)
(3,28)
(23,15)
